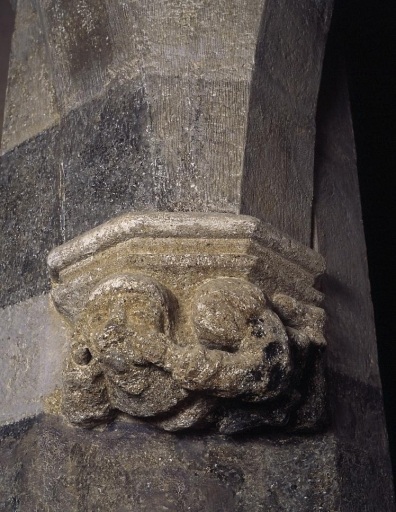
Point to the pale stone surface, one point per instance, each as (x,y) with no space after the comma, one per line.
(33,345)
(31,103)
(190,316)
(145,225)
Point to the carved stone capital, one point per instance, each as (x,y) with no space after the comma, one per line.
(191,320)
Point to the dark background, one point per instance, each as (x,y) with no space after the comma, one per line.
(366,37)
(366,31)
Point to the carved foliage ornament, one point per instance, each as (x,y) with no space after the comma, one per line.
(191,321)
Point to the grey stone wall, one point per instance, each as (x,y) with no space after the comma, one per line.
(180,105)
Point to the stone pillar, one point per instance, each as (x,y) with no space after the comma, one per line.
(180,106)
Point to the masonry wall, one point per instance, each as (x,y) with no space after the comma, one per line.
(202,106)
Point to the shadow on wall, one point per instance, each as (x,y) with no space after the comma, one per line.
(368,32)
(7,19)
(277,184)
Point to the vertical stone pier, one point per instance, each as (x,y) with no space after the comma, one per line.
(180,106)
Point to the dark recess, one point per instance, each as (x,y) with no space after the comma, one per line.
(367,32)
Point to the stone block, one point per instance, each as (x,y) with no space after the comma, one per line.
(33,341)
(106,159)
(133,467)
(31,105)
(30,216)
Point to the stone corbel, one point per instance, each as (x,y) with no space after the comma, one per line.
(191,320)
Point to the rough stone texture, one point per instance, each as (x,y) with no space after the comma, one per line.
(132,467)
(31,103)
(114,40)
(157,106)
(49,466)
(29,216)
(362,445)
(181,123)
(106,160)
(208,81)
(7,20)
(33,347)
(181,229)
(277,183)
(186,315)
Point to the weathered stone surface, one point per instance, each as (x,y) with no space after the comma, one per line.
(30,223)
(139,228)
(190,328)
(207,82)
(33,347)
(277,183)
(7,21)
(152,106)
(134,467)
(117,41)
(107,159)
(31,103)
(193,129)
(363,464)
